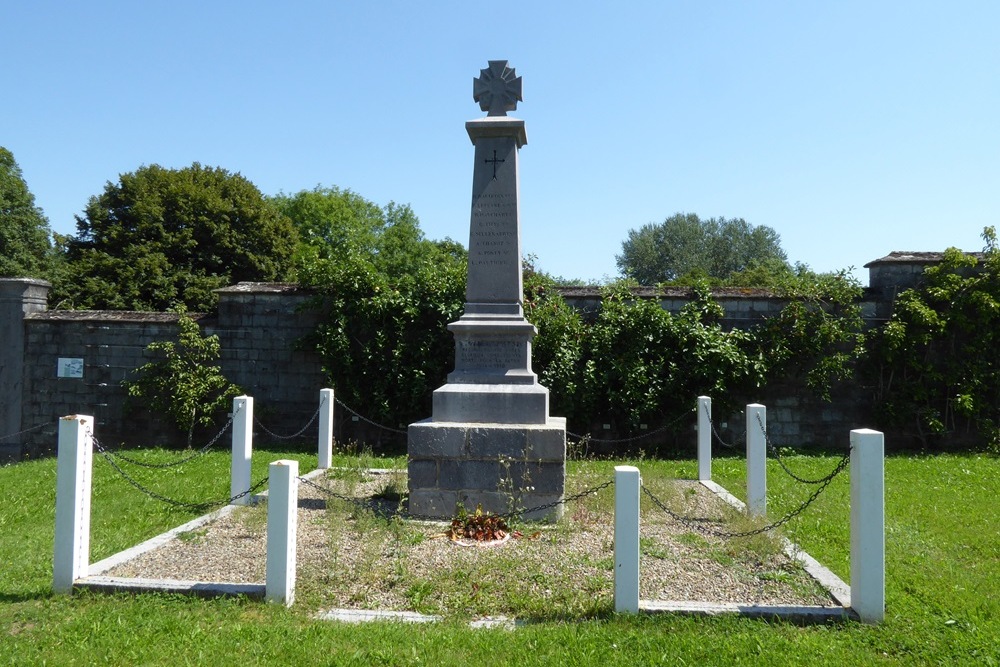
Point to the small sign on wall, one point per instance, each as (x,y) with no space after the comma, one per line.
(69,368)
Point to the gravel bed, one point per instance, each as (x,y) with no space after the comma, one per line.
(352,560)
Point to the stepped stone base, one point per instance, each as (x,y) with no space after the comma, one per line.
(514,404)
(487,464)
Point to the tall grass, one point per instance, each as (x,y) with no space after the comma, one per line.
(943,599)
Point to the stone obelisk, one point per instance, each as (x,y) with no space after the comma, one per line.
(490,440)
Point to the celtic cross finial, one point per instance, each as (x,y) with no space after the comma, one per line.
(498,89)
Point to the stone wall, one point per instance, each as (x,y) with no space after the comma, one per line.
(260,325)
(741,306)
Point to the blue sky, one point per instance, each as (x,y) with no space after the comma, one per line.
(851,128)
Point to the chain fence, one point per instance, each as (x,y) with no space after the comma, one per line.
(366,420)
(27,430)
(741,438)
(776,453)
(298,433)
(199,506)
(704,525)
(614,441)
(200,452)
(363,504)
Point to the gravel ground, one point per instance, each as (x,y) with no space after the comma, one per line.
(352,560)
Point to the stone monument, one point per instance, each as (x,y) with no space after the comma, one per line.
(490,440)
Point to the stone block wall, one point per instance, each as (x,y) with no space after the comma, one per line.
(110,350)
(742,307)
(259,327)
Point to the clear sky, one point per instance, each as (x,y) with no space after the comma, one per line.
(853,128)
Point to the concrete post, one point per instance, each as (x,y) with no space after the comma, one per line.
(242,448)
(704,438)
(74,470)
(282,522)
(18,297)
(756,459)
(868,525)
(325,428)
(627,484)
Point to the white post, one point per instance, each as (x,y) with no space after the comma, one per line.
(242,448)
(704,439)
(627,485)
(756,459)
(282,520)
(325,428)
(74,470)
(868,524)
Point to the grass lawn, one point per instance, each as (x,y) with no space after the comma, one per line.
(943,595)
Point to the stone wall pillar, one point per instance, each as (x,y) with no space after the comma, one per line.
(18,297)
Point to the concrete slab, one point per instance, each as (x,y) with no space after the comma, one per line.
(197,588)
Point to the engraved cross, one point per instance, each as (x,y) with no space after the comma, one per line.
(494,162)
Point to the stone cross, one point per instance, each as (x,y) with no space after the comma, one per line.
(498,89)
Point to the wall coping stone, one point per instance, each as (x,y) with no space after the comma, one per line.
(264,288)
(914,257)
(109,316)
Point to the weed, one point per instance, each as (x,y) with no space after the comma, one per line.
(193,536)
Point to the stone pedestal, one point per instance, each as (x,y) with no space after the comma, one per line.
(490,440)
(502,467)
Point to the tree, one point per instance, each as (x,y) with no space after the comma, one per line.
(161,236)
(387,293)
(683,244)
(185,383)
(339,227)
(25,237)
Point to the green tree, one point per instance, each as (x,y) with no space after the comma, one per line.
(185,382)
(388,294)
(25,237)
(684,244)
(340,227)
(161,236)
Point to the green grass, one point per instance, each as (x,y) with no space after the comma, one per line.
(943,584)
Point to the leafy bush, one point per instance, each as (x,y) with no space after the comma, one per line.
(933,366)
(383,340)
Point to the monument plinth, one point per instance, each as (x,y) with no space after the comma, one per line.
(490,439)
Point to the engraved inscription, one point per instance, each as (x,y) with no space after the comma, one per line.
(493,238)
(489,355)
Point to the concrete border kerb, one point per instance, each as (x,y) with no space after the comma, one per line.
(839,591)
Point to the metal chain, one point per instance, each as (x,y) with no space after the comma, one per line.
(294,435)
(27,430)
(357,502)
(555,503)
(777,455)
(170,501)
(718,436)
(365,419)
(695,525)
(200,452)
(631,439)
